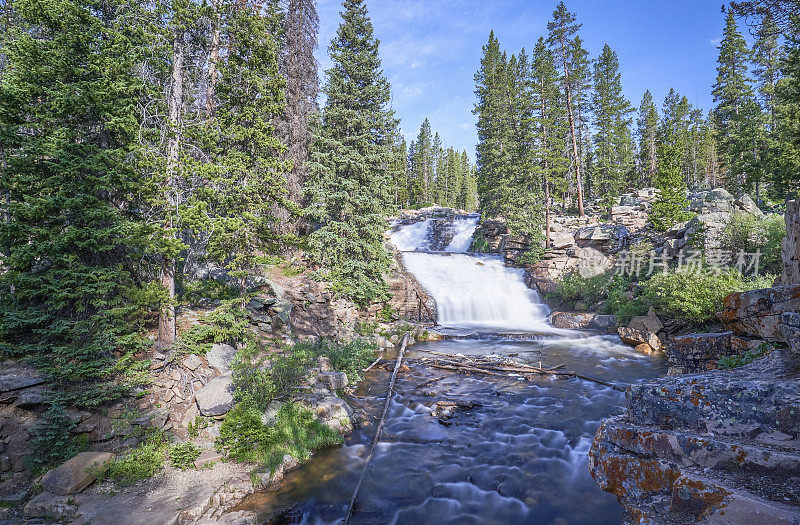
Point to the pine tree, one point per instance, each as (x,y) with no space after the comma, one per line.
(669,207)
(736,111)
(562,29)
(550,163)
(299,68)
(647,127)
(611,121)
(787,179)
(493,151)
(68,119)
(422,163)
(352,156)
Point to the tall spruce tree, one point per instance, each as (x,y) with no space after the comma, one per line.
(736,112)
(549,129)
(611,121)
(786,180)
(562,32)
(352,156)
(647,128)
(299,69)
(492,108)
(68,103)
(669,207)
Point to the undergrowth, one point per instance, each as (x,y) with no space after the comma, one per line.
(143,462)
(226,324)
(182,455)
(295,431)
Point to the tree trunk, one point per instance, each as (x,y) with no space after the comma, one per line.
(791,244)
(166,321)
(213,70)
(578,183)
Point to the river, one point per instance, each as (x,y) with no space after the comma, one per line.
(514,452)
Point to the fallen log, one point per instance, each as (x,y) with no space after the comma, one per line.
(378,431)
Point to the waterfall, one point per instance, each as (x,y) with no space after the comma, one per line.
(471,290)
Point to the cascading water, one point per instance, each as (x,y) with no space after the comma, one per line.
(470,290)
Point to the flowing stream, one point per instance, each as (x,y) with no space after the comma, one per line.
(515,452)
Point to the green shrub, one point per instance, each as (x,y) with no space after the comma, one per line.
(573,288)
(226,324)
(295,431)
(143,462)
(619,303)
(182,455)
(52,440)
(696,295)
(194,291)
(735,361)
(277,376)
(748,233)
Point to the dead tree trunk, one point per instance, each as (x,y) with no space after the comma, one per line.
(791,244)
(166,321)
(213,59)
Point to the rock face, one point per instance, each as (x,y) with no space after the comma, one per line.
(221,357)
(75,474)
(721,447)
(583,321)
(791,245)
(697,352)
(758,312)
(635,337)
(790,326)
(216,398)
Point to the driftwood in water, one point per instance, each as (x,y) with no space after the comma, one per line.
(378,431)
(500,367)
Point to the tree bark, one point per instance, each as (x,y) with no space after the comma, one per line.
(166,321)
(791,244)
(578,183)
(213,70)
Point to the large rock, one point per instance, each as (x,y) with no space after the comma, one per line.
(635,337)
(334,380)
(50,506)
(330,410)
(647,323)
(592,262)
(718,447)
(16,377)
(697,352)
(746,204)
(216,398)
(613,236)
(75,474)
(758,312)
(221,357)
(583,321)
(790,327)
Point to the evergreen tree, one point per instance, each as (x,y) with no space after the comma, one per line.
(68,103)
(493,151)
(647,127)
(299,69)
(549,130)
(669,207)
(562,29)
(611,122)
(352,156)
(422,162)
(736,113)
(787,109)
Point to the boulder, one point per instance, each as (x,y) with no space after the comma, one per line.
(592,262)
(628,199)
(561,241)
(604,233)
(635,338)
(334,380)
(748,205)
(758,312)
(216,398)
(583,321)
(647,323)
(207,458)
(192,362)
(332,411)
(790,327)
(75,474)
(50,506)
(697,352)
(220,357)
(16,377)
(644,348)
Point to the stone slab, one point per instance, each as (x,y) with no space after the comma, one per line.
(75,474)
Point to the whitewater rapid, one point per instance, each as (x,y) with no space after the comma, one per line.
(470,290)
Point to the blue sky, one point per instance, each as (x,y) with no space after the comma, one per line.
(431,49)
